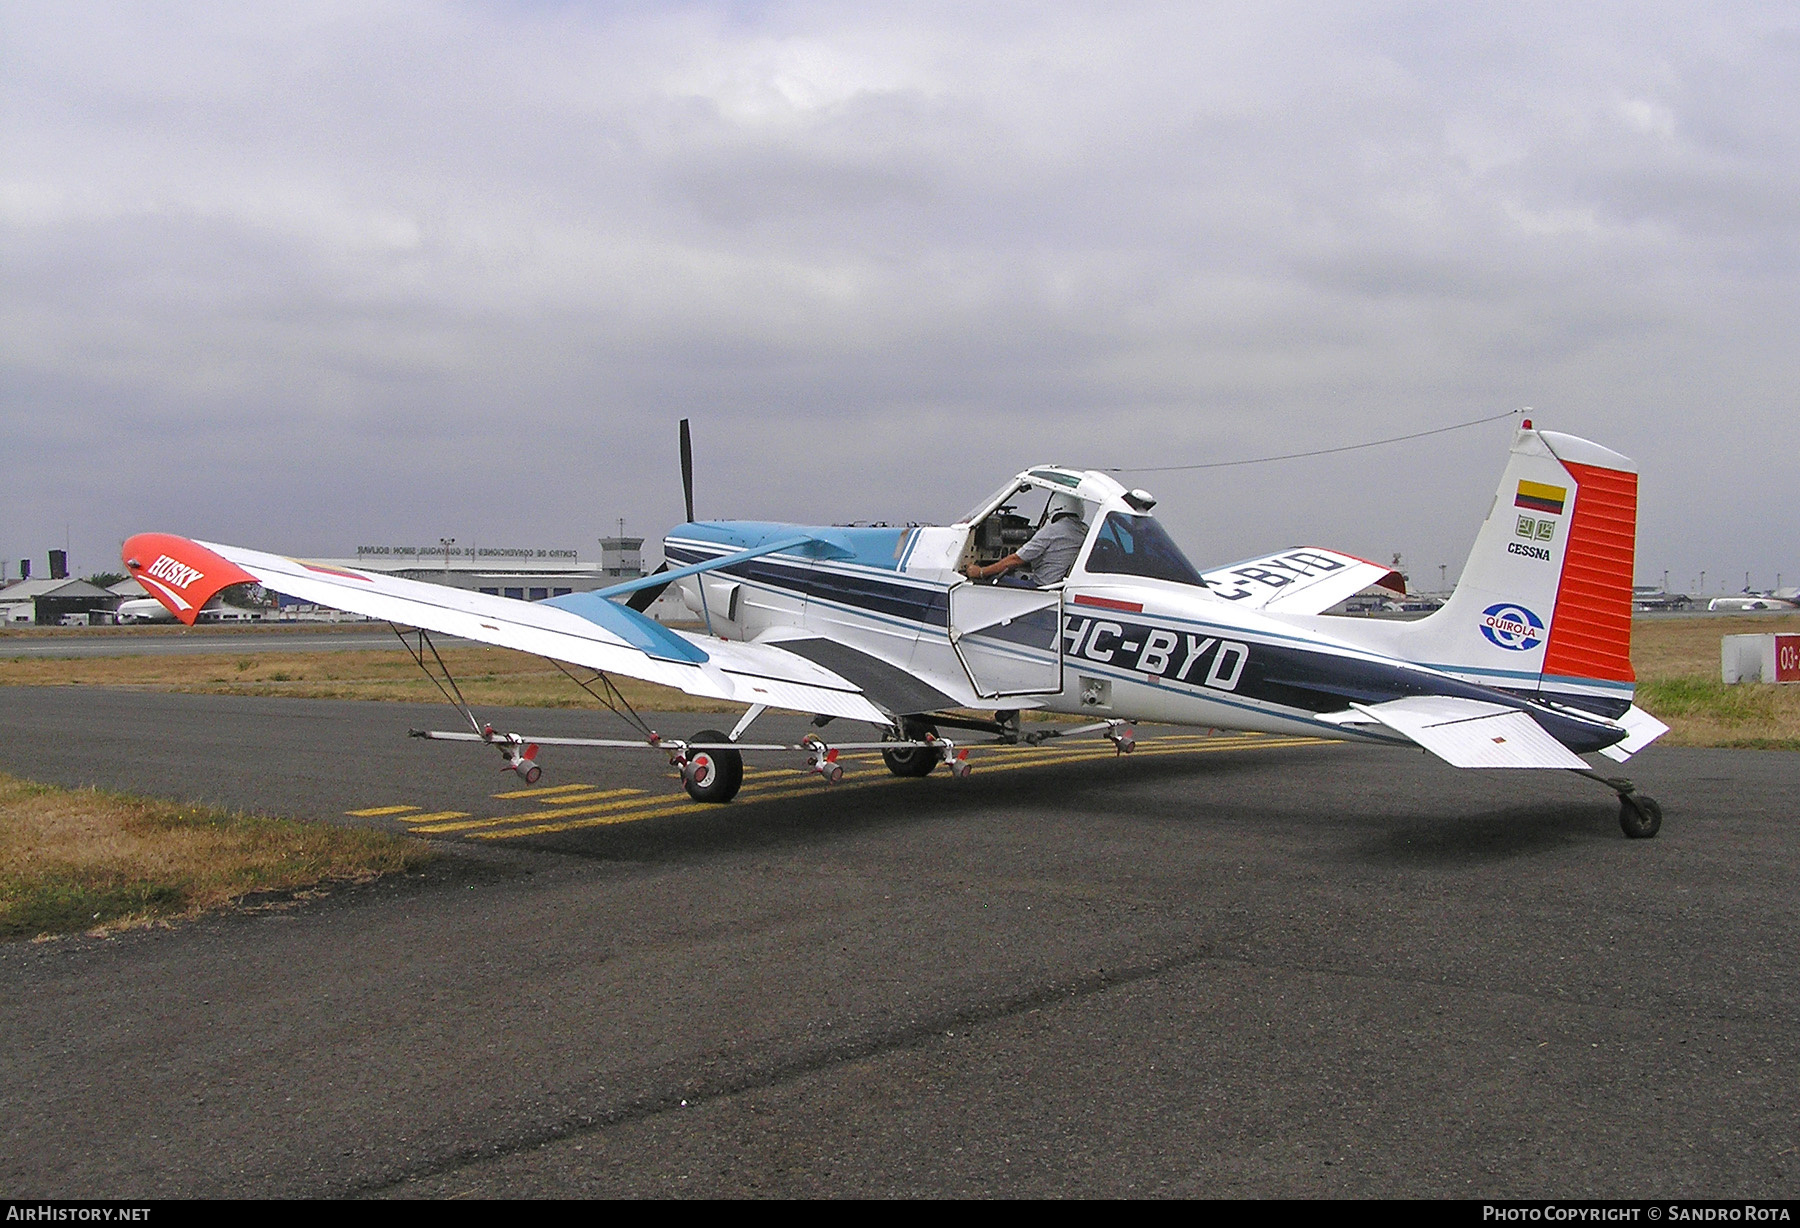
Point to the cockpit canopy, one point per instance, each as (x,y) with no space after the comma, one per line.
(1134,545)
(1123,538)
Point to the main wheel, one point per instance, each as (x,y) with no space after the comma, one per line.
(713,775)
(1640,817)
(913,760)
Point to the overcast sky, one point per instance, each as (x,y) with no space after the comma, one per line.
(316,275)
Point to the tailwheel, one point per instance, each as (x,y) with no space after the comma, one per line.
(1640,817)
(712,775)
(912,760)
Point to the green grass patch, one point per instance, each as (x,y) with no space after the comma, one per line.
(1710,698)
(60,905)
(1702,711)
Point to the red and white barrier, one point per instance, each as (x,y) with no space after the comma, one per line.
(1760,658)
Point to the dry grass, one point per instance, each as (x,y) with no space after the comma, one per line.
(87,860)
(490,677)
(1681,647)
(1677,663)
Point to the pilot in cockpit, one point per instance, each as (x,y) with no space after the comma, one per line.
(1052,550)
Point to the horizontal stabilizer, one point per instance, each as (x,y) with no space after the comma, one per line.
(1469,733)
(1303,580)
(1641,730)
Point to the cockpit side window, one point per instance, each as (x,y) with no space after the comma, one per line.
(1128,545)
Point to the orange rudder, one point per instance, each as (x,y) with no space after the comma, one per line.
(1591,635)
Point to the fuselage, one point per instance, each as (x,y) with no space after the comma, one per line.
(143,610)
(1131,633)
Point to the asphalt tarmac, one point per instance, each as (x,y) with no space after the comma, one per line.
(1234,967)
(160,641)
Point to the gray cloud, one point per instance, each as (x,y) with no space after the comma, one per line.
(298,278)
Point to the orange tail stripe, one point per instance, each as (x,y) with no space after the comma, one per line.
(1591,633)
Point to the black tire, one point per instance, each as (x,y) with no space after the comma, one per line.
(1640,817)
(714,775)
(913,760)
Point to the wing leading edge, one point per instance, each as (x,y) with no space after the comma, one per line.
(593,632)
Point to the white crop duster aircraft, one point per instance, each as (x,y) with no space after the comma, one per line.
(1528,665)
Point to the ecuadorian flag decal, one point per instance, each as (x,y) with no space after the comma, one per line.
(1541,498)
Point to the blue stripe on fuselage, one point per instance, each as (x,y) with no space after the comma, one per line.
(926,605)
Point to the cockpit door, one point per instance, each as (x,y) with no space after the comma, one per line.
(1008,639)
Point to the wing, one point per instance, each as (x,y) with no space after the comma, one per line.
(1303,580)
(580,629)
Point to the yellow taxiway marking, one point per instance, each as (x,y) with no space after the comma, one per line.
(575,799)
(538,815)
(1019,761)
(546,791)
(649,810)
(616,812)
(579,805)
(796,784)
(655,807)
(1014,757)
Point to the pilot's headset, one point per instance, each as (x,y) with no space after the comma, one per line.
(1064,505)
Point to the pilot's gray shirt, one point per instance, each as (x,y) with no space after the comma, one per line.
(1052,549)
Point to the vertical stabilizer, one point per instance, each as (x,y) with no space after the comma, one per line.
(1544,603)
(1590,642)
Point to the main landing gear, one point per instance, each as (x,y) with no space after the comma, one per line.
(912,760)
(711,775)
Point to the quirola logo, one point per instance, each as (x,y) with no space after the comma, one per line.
(1512,627)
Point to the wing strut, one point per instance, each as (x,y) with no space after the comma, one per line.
(520,754)
(610,698)
(447,685)
(613,698)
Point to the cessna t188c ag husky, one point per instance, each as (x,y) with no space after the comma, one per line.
(1528,665)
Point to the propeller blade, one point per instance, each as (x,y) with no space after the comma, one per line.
(687,469)
(640,600)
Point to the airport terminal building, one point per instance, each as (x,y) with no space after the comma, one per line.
(524,573)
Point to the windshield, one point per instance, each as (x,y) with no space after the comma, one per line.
(1137,546)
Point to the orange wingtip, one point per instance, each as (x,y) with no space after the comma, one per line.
(181,574)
